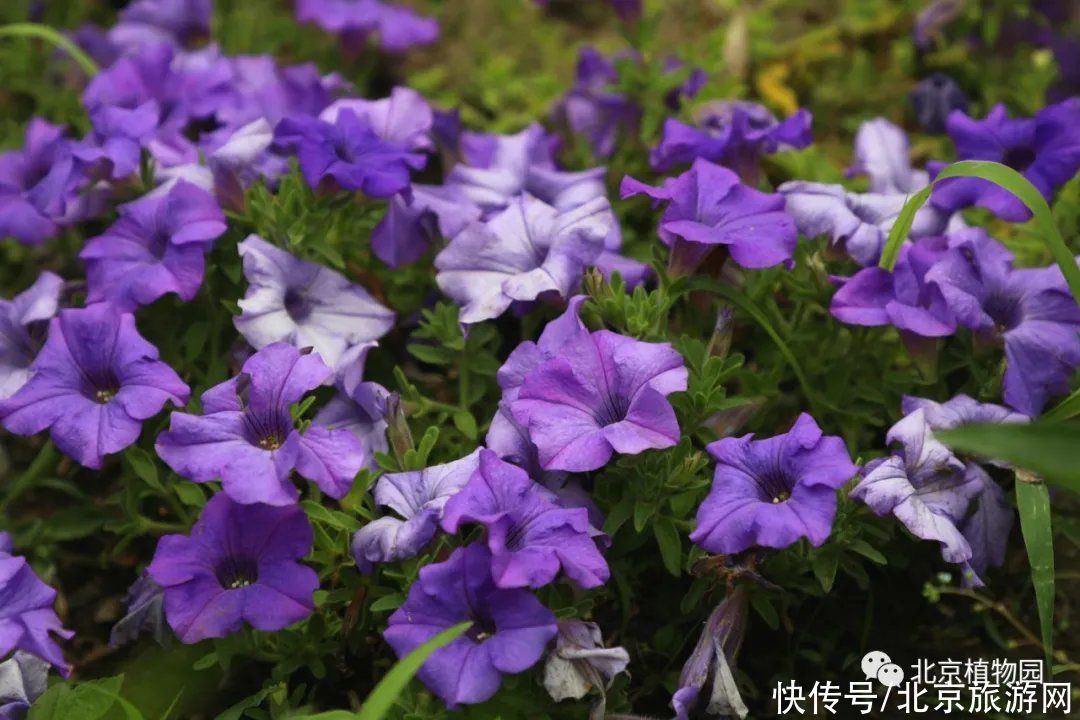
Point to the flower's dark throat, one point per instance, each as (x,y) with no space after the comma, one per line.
(234,573)
(1020,158)
(481,630)
(297,305)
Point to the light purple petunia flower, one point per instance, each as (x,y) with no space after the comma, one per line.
(405,118)
(580,662)
(347,154)
(144,612)
(156,247)
(244,157)
(1045,149)
(362,411)
(239,565)
(23,320)
(27,619)
(510,631)
(1030,311)
(92,385)
(418,217)
(857,224)
(248,438)
(708,206)
(418,497)
(882,154)
(530,535)
(525,252)
(260,88)
(771,492)
(38,185)
(113,149)
(708,677)
(593,108)
(306,305)
(23,679)
(927,488)
(903,298)
(732,133)
(601,394)
(398,27)
(498,169)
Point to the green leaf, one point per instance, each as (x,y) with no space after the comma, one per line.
(85,701)
(667,537)
(44,32)
(142,464)
(387,602)
(1033,503)
(1064,410)
(1049,449)
(1007,178)
(464,421)
(824,565)
(382,698)
(868,551)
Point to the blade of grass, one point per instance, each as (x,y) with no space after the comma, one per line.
(1049,449)
(1007,178)
(46,33)
(382,698)
(1064,410)
(1033,503)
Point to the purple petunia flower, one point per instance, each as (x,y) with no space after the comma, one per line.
(362,411)
(732,133)
(933,98)
(510,631)
(710,667)
(239,565)
(27,619)
(903,298)
(530,535)
(592,107)
(501,168)
(306,305)
(23,320)
(38,185)
(23,679)
(416,218)
(770,493)
(347,154)
(92,385)
(707,206)
(144,612)
(857,224)
(527,251)
(881,153)
(419,497)
(1045,149)
(244,157)
(248,438)
(929,489)
(1030,311)
(146,22)
(156,247)
(602,393)
(398,27)
(260,88)
(405,118)
(580,662)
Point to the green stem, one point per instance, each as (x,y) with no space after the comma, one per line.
(44,32)
(45,459)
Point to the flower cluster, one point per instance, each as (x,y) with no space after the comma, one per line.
(247,274)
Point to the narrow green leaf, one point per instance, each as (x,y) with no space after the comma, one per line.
(824,565)
(1050,450)
(667,537)
(1064,410)
(382,698)
(44,32)
(1033,503)
(1007,178)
